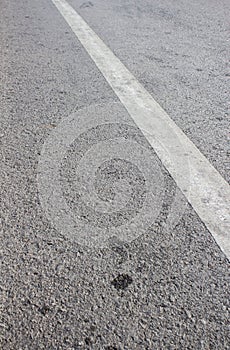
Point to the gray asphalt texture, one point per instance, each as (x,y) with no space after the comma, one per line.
(180,52)
(168,288)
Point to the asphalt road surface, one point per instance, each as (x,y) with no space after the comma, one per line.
(101,245)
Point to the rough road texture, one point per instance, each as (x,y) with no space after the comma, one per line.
(168,289)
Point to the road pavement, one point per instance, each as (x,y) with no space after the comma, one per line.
(119,259)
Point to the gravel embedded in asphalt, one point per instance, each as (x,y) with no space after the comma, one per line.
(168,288)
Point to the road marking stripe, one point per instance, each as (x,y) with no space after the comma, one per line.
(204,187)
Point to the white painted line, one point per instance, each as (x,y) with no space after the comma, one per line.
(204,188)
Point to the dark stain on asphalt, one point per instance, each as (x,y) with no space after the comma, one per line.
(122,281)
(44,310)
